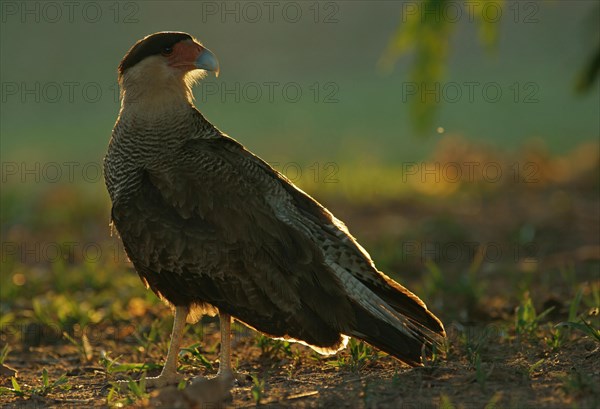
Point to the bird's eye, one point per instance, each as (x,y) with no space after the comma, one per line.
(167,51)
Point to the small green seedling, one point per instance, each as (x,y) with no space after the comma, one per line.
(44,389)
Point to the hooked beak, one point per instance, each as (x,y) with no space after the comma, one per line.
(207,61)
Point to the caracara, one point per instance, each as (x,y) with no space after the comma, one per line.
(211,227)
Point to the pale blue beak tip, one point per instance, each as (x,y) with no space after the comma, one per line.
(207,61)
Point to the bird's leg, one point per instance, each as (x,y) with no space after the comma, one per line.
(226,374)
(225,357)
(169,375)
(215,391)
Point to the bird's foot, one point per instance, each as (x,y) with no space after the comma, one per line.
(164,379)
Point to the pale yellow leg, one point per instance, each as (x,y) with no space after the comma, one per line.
(169,374)
(214,391)
(225,358)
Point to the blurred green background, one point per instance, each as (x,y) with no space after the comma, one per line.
(360,111)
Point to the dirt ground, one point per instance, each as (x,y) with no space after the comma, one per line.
(302,381)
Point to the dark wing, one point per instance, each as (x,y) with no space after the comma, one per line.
(226,229)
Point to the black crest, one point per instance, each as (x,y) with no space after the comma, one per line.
(151,45)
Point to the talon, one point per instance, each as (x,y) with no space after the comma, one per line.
(161,380)
(156,382)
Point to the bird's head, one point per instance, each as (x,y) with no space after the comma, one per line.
(164,66)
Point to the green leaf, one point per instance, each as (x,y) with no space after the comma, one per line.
(135,388)
(584,327)
(574,307)
(426,30)
(45,380)
(488,24)
(446,403)
(4,352)
(15,384)
(6,318)
(60,381)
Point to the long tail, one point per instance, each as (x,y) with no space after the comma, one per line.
(411,331)
(391,318)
